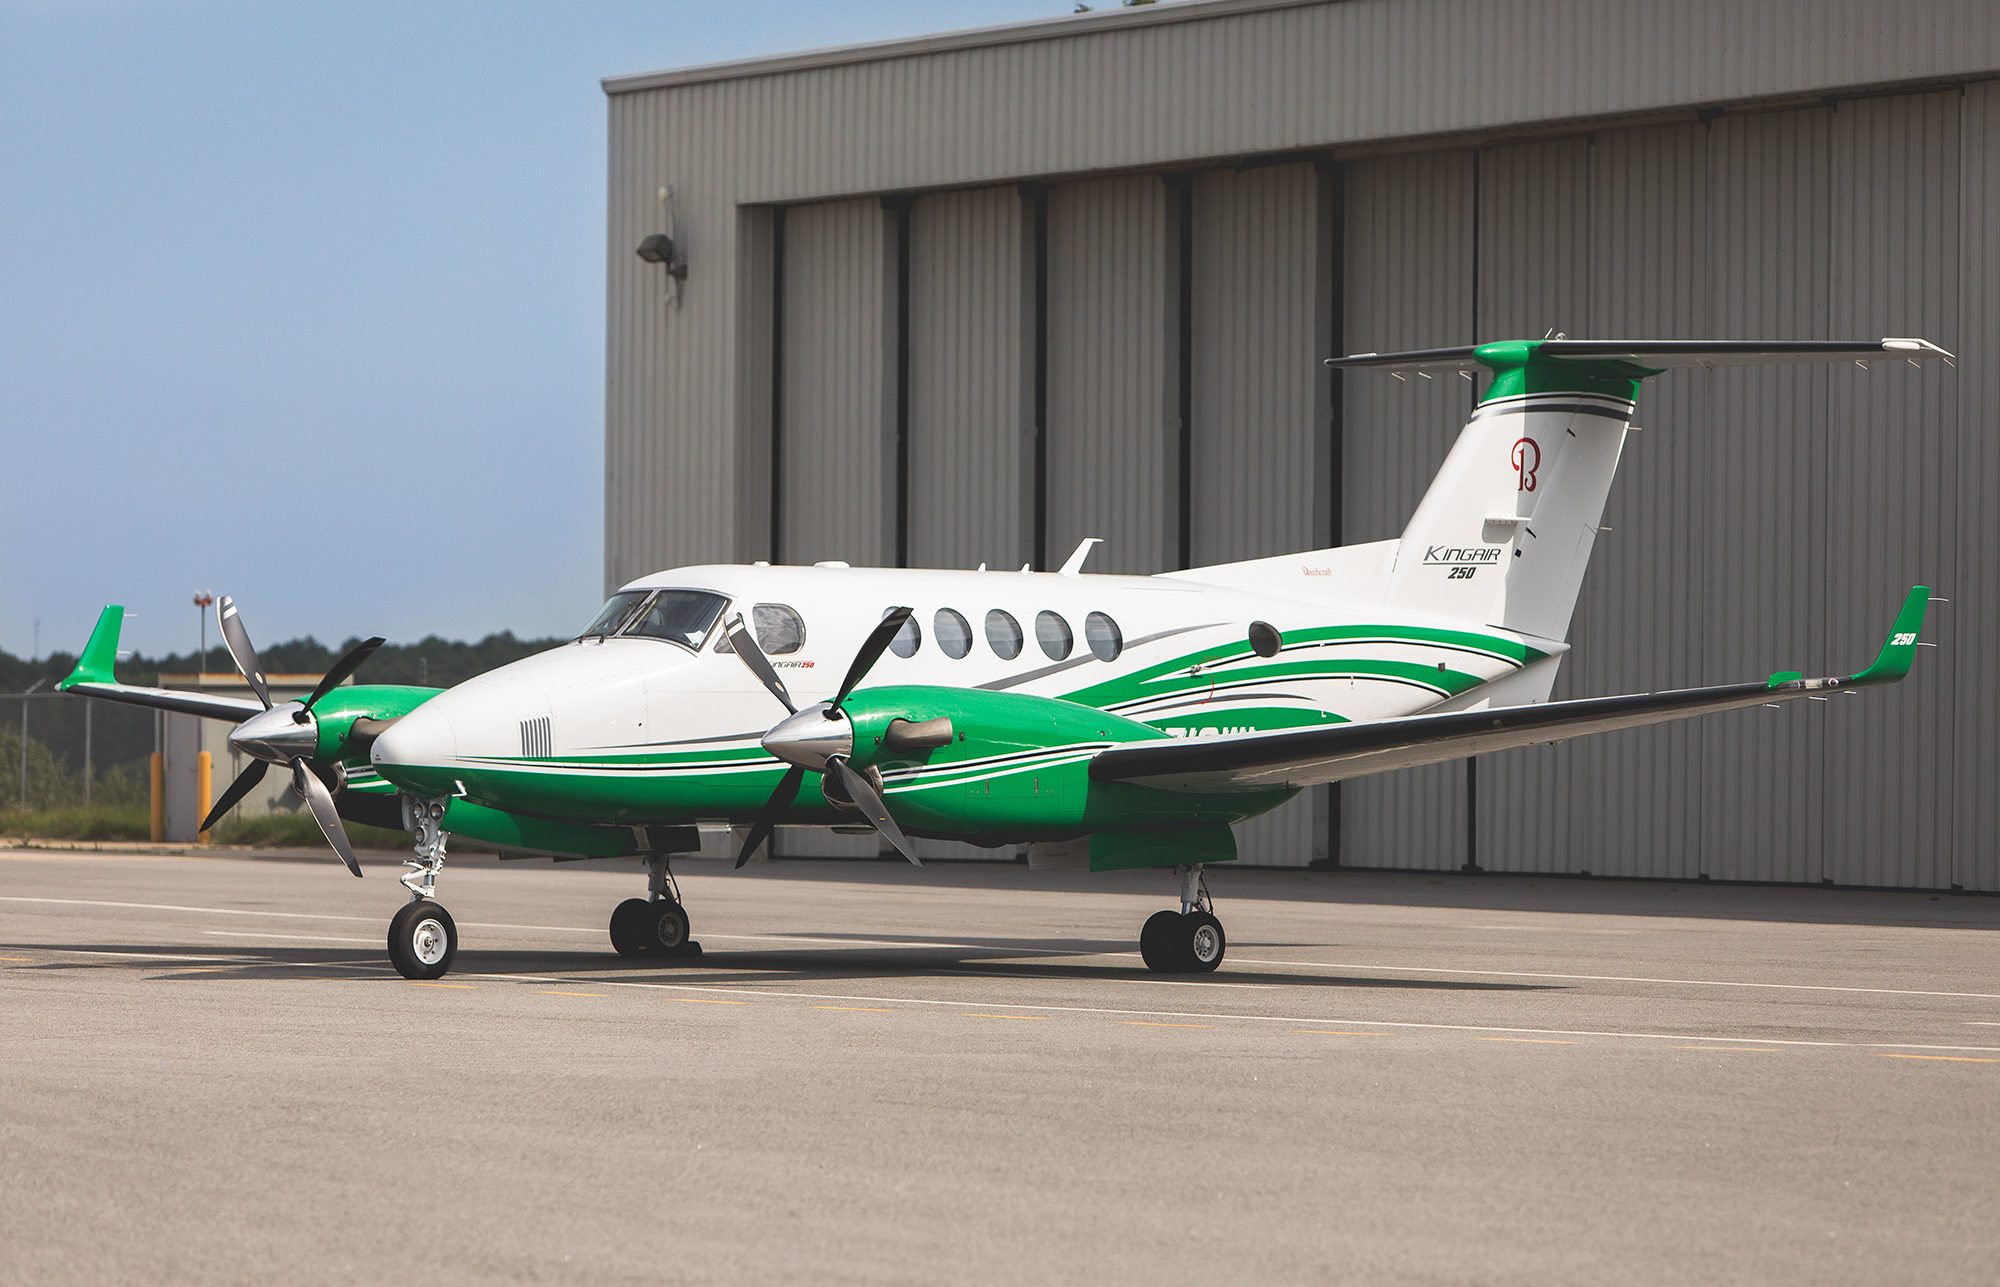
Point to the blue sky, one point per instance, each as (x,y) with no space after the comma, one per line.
(305,302)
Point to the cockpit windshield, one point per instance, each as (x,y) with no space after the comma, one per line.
(613,614)
(678,616)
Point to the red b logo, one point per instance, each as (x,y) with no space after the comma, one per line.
(1527,458)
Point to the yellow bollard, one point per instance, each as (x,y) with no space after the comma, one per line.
(158,823)
(204,767)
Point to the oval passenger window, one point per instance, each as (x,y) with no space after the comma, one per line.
(1052,633)
(1103,635)
(953,635)
(908,639)
(1003,635)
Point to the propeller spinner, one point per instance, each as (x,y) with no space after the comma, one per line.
(819,738)
(284,734)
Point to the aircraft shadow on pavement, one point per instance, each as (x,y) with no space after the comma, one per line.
(714,969)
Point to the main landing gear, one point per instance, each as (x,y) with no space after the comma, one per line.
(1189,941)
(656,925)
(422,938)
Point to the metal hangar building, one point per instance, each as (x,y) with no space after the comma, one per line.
(974,297)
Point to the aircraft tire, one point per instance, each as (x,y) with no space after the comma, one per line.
(1157,943)
(628,927)
(422,940)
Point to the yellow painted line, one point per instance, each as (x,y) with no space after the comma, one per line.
(558,992)
(1144,1023)
(1530,1041)
(1736,1050)
(1341,1032)
(871,1009)
(433,983)
(1955,1059)
(1020,1018)
(688,1000)
(16,958)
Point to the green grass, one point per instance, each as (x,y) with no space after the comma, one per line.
(96,822)
(132,822)
(298,831)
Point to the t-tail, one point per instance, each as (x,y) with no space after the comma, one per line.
(1504,534)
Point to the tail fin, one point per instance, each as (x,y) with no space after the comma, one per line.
(1504,534)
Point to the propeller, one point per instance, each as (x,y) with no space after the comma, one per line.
(286,734)
(819,737)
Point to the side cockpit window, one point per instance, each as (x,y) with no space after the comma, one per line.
(779,629)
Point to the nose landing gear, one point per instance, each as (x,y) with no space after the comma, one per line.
(423,940)
(657,925)
(1189,941)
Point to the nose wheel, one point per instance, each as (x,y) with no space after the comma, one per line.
(1189,941)
(422,940)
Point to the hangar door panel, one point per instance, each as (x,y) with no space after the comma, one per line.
(837,401)
(1763,595)
(1262,289)
(971,427)
(1969,626)
(1890,446)
(1113,402)
(1407,270)
(837,407)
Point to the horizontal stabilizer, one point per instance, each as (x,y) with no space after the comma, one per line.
(1312,756)
(1658,355)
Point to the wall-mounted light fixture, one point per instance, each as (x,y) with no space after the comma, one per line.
(661,248)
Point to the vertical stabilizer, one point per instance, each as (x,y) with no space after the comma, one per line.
(1505,532)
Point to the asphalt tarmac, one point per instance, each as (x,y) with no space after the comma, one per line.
(208,1073)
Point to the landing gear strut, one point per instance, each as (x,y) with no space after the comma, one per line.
(1189,941)
(656,925)
(422,938)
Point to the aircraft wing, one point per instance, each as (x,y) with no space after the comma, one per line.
(1658,354)
(1312,756)
(95,676)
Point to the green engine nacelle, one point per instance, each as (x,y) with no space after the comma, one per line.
(1016,767)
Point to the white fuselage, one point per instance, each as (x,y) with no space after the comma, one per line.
(620,696)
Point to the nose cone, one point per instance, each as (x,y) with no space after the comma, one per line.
(811,737)
(417,751)
(277,735)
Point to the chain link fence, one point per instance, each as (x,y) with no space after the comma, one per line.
(66,753)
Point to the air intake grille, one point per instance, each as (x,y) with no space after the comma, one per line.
(535,737)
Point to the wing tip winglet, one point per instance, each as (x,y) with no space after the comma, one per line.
(1899,649)
(99,659)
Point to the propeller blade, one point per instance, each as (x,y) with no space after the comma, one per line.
(871,652)
(781,799)
(245,780)
(241,651)
(347,665)
(747,648)
(863,794)
(320,801)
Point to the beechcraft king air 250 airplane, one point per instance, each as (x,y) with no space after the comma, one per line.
(1103,721)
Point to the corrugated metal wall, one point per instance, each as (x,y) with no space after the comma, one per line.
(1113,373)
(1260,450)
(836,434)
(1408,277)
(1763,518)
(1968,626)
(1124,89)
(972,380)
